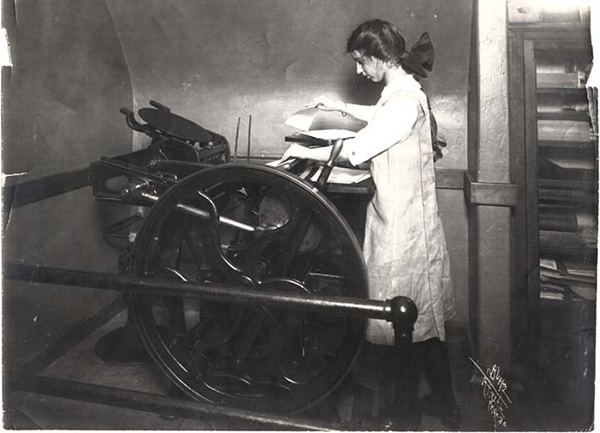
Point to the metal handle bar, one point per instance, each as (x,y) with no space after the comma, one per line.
(401,311)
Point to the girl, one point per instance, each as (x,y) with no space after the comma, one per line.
(404,247)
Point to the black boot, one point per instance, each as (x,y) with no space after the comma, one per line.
(400,382)
(441,402)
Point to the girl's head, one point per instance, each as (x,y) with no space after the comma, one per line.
(376,46)
(379,39)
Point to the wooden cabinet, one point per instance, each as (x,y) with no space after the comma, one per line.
(555,166)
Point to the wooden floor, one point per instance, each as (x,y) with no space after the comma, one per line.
(24,410)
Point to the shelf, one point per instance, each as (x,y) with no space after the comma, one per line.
(556,165)
(561,91)
(555,27)
(564,115)
(567,240)
(569,304)
(553,168)
(572,50)
(566,220)
(590,255)
(570,176)
(585,202)
(568,184)
(566,144)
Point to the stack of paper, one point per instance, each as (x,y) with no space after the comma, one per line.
(281,163)
(562,280)
(344,176)
(549,294)
(570,130)
(330,134)
(303,120)
(565,80)
(564,240)
(573,163)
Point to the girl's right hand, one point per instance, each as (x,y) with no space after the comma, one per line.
(326,104)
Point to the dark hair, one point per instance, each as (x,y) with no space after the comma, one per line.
(437,140)
(378,38)
(384,41)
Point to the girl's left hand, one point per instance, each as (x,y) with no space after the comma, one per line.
(326,104)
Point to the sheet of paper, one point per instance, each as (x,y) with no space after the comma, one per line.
(302,119)
(345,176)
(550,295)
(548,263)
(570,130)
(573,163)
(281,162)
(330,134)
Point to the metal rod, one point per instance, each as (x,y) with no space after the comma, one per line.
(237,135)
(72,336)
(156,403)
(214,292)
(401,311)
(249,137)
(178,167)
(17,193)
(129,168)
(190,210)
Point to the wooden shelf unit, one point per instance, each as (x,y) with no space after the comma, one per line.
(554,163)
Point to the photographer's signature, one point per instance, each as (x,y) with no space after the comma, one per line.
(495,393)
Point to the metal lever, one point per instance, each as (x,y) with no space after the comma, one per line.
(194,211)
(138,189)
(131,122)
(160,106)
(335,152)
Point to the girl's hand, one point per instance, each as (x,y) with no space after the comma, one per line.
(326,104)
(294,151)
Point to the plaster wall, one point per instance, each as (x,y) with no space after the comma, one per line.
(61,104)
(214,61)
(217,61)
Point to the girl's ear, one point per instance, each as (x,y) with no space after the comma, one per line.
(376,61)
(388,64)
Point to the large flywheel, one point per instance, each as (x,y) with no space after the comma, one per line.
(257,227)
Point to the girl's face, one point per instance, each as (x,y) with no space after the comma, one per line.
(371,67)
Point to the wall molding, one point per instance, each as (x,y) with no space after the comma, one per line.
(449,179)
(489,193)
(476,193)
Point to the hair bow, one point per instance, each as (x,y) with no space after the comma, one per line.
(419,59)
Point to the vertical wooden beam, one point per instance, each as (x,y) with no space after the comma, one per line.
(489,235)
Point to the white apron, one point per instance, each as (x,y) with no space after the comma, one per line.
(405,247)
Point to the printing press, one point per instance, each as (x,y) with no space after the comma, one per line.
(245,282)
